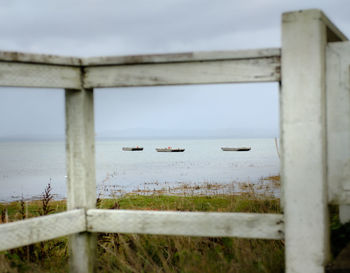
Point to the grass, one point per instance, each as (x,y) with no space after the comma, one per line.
(146,253)
(154,253)
(40,257)
(158,253)
(213,203)
(151,253)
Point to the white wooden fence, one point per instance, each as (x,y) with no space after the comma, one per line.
(313,69)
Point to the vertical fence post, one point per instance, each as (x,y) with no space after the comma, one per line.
(81,193)
(338,126)
(303,135)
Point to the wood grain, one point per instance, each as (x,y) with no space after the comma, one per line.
(245,225)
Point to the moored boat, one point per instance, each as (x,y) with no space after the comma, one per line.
(137,148)
(238,149)
(169,149)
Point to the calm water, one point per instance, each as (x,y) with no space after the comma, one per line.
(27,167)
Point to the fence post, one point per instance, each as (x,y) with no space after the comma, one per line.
(303,134)
(80,154)
(338,126)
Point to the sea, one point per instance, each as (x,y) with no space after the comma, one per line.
(27,167)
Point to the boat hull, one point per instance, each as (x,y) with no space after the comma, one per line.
(132,149)
(170,150)
(240,149)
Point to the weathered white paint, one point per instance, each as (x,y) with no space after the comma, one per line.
(246,225)
(19,57)
(39,75)
(333,32)
(344,213)
(34,70)
(80,153)
(303,139)
(82,252)
(338,122)
(183,57)
(280,150)
(80,148)
(42,228)
(205,72)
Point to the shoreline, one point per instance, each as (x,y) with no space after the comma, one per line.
(266,186)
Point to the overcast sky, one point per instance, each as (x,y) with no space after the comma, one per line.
(98,28)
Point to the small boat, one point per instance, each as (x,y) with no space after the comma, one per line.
(239,149)
(137,148)
(169,149)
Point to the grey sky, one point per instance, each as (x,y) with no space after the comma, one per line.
(94,28)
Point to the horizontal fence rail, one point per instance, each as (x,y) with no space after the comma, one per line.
(206,72)
(31,70)
(39,70)
(42,228)
(211,224)
(208,224)
(177,69)
(183,57)
(18,57)
(39,75)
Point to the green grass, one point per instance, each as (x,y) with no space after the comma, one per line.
(154,253)
(218,203)
(31,208)
(158,253)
